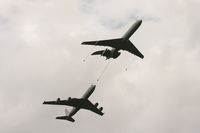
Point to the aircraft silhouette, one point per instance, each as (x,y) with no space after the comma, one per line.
(77,104)
(118,44)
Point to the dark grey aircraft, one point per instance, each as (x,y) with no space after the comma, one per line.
(122,43)
(77,104)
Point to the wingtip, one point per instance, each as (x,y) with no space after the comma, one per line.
(141,56)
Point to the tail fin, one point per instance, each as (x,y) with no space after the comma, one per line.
(65,118)
(67,112)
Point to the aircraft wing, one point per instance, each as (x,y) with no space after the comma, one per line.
(128,46)
(118,44)
(77,103)
(92,107)
(74,102)
(111,42)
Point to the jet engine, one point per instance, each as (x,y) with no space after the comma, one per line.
(116,54)
(101,108)
(96,104)
(69,98)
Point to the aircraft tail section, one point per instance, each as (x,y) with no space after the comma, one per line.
(106,53)
(65,118)
(98,52)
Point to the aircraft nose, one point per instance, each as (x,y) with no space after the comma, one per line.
(140,21)
(93,86)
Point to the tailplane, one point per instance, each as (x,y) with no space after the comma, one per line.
(98,52)
(106,53)
(65,118)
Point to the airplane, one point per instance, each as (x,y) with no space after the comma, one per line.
(118,44)
(77,104)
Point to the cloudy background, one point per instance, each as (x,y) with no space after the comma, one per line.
(41,59)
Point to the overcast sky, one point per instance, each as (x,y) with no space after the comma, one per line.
(41,59)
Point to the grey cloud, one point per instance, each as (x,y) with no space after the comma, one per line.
(41,59)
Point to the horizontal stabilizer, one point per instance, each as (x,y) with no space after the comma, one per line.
(98,52)
(65,118)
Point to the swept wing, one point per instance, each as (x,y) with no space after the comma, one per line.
(77,103)
(111,42)
(128,46)
(70,102)
(90,106)
(119,44)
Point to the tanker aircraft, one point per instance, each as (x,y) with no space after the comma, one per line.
(118,44)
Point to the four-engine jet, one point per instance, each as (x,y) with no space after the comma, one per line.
(122,43)
(77,104)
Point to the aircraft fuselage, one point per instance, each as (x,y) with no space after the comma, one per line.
(81,103)
(132,30)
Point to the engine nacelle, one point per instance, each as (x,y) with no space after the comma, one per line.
(101,108)
(58,99)
(69,98)
(96,104)
(116,54)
